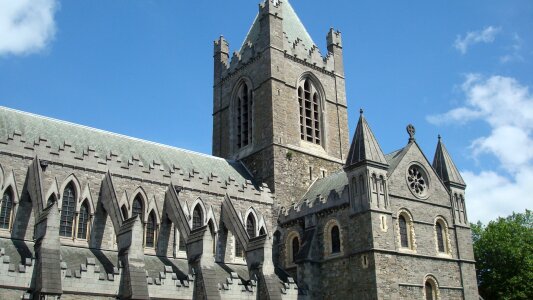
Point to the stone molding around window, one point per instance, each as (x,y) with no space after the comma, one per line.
(446,236)
(410,231)
(328,245)
(417,180)
(288,247)
(435,286)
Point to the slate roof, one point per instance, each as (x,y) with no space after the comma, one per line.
(293,28)
(364,146)
(17,250)
(324,186)
(75,256)
(445,167)
(82,138)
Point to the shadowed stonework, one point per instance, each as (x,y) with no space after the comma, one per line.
(286,208)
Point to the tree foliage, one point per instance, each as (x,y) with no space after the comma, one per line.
(504,257)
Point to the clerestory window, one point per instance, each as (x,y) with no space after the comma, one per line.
(83,221)
(310,112)
(250,226)
(6,208)
(67,211)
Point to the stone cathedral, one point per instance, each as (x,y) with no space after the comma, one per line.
(288,207)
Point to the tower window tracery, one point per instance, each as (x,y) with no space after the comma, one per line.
(244,112)
(310,112)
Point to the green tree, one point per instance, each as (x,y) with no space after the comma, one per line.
(504,257)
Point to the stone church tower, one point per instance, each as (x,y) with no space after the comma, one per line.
(279,105)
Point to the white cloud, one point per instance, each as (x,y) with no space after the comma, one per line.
(514,51)
(507,107)
(26,26)
(486,35)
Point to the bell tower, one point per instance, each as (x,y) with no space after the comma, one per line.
(279,105)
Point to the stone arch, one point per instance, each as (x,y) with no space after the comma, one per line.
(328,238)
(406,214)
(198,203)
(1,177)
(9,181)
(290,252)
(77,189)
(152,206)
(445,235)
(139,193)
(431,282)
(86,195)
(251,213)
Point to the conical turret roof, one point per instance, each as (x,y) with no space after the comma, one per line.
(365,147)
(445,167)
(293,29)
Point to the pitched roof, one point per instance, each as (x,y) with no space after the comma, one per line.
(293,28)
(364,146)
(323,187)
(34,128)
(445,167)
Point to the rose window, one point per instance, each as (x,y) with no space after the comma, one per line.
(417,180)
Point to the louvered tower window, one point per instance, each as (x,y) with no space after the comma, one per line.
(250,226)
(244,106)
(67,211)
(150,231)
(83,220)
(197,217)
(310,112)
(404,237)
(440,237)
(335,240)
(6,208)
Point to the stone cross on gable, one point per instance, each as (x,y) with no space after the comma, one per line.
(411,131)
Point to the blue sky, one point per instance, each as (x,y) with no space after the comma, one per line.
(144,68)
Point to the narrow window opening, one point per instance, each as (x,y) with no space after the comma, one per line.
(137,208)
(335,240)
(250,226)
(150,231)
(197,217)
(429,291)
(404,238)
(440,237)
(244,111)
(295,248)
(67,211)
(238,248)
(6,208)
(83,220)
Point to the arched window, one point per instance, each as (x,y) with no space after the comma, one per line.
(310,112)
(137,207)
(335,239)
(150,231)
(440,237)
(295,247)
(124,212)
(404,235)
(197,217)
(6,208)
(250,226)
(67,211)
(244,105)
(182,245)
(431,291)
(262,231)
(83,220)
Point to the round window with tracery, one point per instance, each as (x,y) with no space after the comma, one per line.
(417,181)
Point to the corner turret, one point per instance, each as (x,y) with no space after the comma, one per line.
(334,42)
